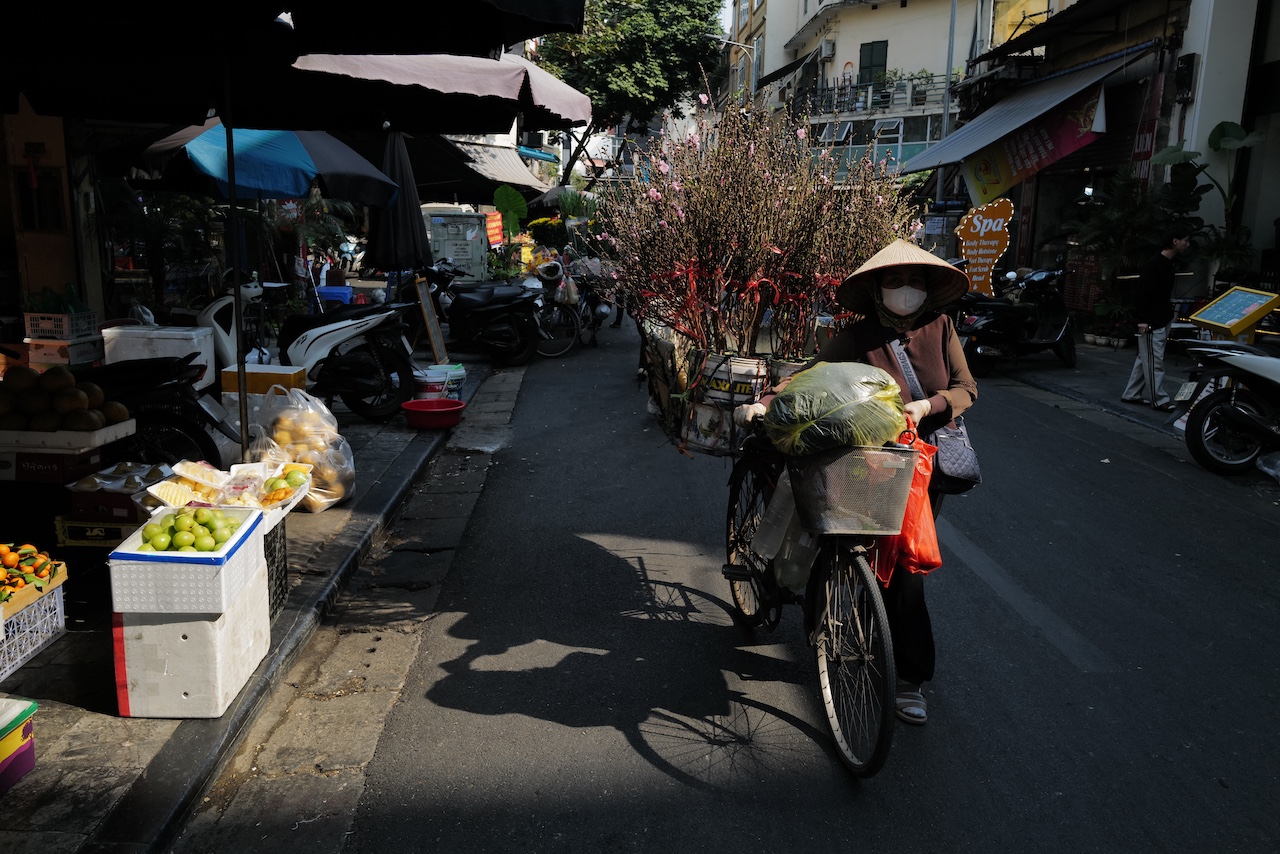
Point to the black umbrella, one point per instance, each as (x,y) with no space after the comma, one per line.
(397,233)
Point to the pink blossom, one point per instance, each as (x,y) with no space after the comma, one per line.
(680,213)
(703,99)
(663,167)
(879,200)
(675,186)
(800,133)
(654,194)
(663,223)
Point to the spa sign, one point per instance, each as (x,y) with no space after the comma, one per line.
(984,236)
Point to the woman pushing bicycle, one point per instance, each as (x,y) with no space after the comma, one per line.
(897,294)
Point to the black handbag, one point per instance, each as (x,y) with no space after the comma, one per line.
(955,467)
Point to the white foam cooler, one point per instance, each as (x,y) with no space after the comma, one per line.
(190,665)
(122,343)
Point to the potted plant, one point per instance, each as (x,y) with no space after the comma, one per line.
(920,81)
(1228,246)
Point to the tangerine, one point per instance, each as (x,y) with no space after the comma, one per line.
(10,560)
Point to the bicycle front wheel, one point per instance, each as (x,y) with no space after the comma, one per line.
(856,675)
(754,597)
(558,327)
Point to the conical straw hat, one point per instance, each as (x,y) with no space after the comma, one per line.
(946,282)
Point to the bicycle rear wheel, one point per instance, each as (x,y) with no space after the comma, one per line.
(558,327)
(856,676)
(751,584)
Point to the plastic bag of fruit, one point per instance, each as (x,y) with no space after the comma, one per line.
(298,428)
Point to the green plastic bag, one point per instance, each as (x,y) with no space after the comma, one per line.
(835,405)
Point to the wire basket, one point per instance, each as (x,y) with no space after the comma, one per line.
(857,490)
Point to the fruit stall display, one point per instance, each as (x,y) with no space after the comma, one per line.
(52,401)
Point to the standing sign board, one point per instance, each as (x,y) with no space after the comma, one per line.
(1236,313)
(984,236)
(438,349)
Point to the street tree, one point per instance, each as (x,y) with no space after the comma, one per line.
(635,59)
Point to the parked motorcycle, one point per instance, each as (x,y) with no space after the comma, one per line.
(1028,316)
(484,317)
(357,353)
(175,421)
(1232,404)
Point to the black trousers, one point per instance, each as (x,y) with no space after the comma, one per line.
(909,624)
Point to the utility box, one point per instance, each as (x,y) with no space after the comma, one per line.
(461,237)
(123,343)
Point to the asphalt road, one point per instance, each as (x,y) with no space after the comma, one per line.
(1106,620)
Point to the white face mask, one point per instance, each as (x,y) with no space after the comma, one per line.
(903,301)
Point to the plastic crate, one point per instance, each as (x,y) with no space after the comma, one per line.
(30,631)
(855,490)
(61,327)
(275,547)
(186,582)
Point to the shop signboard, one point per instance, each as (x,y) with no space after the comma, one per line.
(1236,312)
(1048,138)
(984,236)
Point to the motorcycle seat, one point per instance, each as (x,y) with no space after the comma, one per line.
(486,295)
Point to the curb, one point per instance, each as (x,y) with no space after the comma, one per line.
(149,816)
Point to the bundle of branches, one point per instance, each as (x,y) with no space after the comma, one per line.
(741,214)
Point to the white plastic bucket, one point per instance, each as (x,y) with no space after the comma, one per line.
(733,379)
(455,376)
(430,384)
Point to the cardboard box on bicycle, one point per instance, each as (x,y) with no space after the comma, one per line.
(258,379)
(122,343)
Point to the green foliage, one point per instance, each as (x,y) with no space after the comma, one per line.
(512,206)
(1230,243)
(503,264)
(636,58)
(549,232)
(1122,227)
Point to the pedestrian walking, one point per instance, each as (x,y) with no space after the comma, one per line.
(1153,311)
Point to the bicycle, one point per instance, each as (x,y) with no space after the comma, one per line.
(850,498)
(558,325)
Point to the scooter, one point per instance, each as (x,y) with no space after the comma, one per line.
(486,317)
(1028,316)
(1232,405)
(357,353)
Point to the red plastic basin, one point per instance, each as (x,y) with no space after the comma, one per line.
(433,414)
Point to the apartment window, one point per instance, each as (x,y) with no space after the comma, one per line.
(740,74)
(744,10)
(873,59)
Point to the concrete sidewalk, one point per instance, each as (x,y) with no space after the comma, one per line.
(104,783)
(107,783)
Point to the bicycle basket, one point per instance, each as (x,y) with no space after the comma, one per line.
(857,490)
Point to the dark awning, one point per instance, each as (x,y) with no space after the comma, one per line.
(1075,20)
(1010,114)
(779,73)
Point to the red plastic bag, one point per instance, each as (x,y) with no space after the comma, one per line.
(915,548)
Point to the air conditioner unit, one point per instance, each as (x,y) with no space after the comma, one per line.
(828,50)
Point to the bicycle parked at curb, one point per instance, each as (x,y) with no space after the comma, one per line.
(851,499)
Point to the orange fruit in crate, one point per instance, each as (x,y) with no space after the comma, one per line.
(10,560)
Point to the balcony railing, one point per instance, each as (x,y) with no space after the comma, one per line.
(838,95)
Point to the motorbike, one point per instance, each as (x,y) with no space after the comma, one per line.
(357,353)
(1028,316)
(175,421)
(1232,405)
(486,317)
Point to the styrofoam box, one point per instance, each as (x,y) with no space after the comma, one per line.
(122,343)
(186,582)
(190,665)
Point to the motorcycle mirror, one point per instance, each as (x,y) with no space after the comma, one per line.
(1011,275)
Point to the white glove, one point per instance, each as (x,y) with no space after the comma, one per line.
(748,412)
